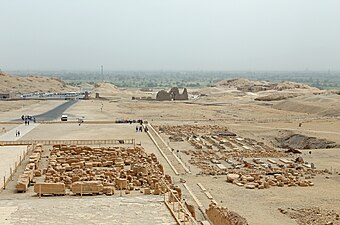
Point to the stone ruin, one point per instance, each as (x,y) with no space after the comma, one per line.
(246,162)
(223,216)
(173,94)
(86,170)
(32,170)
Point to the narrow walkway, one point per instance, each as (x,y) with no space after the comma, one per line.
(167,152)
(24,129)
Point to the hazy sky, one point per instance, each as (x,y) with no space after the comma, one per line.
(170,34)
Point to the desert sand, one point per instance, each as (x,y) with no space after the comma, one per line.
(308,112)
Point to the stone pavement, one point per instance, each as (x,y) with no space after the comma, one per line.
(143,210)
(24,129)
(9,155)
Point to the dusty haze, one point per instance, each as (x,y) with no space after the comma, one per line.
(170,34)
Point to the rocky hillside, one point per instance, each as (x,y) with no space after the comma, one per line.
(256,86)
(9,83)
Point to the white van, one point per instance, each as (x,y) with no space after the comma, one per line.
(63,117)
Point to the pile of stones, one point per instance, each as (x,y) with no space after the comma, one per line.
(31,170)
(279,177)
(106,169)
(313,216)
(190,129)
(223,216)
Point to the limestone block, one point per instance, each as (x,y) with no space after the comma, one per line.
(250,186)
(49,188)
(231,177)
(22,184)
(87,187)
(88,165)
(121,183)
(29,174)
(37,173)
(108,190)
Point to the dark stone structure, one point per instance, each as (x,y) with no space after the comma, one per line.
(173,94)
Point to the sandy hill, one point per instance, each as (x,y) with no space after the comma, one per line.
(256,86)
(105,89)
(323,105)
(9,83)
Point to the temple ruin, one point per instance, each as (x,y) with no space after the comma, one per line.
(173,94)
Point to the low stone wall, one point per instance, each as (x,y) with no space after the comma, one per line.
(31,170)
(49,188)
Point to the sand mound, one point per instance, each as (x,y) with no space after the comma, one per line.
(276,96)
(298,106)
(234,83)
(105,89)
(304,142)
(16,84)
(256,86)
(320,104)
(286,85)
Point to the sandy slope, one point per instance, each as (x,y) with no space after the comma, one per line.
(16,84)
(324,105)
(242,114)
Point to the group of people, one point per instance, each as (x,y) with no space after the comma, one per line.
(27,119)
(141,128)
(17,133)
(130,121)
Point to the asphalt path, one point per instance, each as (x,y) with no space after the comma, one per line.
(55,113)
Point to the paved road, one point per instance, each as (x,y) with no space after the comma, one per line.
(55,113)
(11,135)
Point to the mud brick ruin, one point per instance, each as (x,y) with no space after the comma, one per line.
(173,94)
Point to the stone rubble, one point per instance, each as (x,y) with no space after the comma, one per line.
(246,162)
(86,170)
(223,216)
(312,216)
(31,170)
